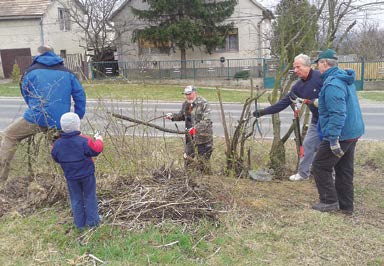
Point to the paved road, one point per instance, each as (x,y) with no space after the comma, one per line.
(12,108)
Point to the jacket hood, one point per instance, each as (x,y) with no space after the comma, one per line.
(347,76)
(70,134)
(48,59)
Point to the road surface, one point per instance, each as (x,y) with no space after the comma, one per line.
(13,107)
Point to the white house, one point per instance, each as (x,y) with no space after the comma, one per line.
(27,24)
(251,23)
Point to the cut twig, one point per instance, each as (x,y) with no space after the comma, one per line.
(167,245)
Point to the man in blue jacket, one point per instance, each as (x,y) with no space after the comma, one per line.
(341,125)
(307,87)
(47,87)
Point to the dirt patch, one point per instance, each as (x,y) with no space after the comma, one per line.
(25,195)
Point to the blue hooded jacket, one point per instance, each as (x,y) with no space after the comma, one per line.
(47,87)
(339,109)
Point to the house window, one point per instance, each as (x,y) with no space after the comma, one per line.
(64,19)
(231,43)
(63,53)
(148,47)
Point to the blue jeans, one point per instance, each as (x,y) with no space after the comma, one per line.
(311,145)
(82,193)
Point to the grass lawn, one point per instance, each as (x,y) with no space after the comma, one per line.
(158,92)
(255,223)
(258,223)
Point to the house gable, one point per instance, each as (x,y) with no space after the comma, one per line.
(29,24)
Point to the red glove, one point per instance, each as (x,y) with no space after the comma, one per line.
(192,131)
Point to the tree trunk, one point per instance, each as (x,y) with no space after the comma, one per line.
(183,71)
(277,153)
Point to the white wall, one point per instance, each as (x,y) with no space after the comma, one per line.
(71,41)
(20,34)
(27,33)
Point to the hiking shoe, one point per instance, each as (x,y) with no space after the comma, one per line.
(324,207)
(298,177)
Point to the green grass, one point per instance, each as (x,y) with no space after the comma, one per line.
(377,96)
(300,236)
(268,224)
(158,92)
(10,89)
(142,91)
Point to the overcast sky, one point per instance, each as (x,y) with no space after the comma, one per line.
(375,13)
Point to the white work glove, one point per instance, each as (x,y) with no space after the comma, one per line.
(97,135)
(169,116)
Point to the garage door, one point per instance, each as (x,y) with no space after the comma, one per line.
(8,59)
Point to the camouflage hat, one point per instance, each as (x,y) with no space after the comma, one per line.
(189,89)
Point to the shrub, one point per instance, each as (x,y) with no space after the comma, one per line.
(16,73)
(244,74)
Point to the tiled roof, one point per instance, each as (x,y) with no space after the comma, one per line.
(23,8)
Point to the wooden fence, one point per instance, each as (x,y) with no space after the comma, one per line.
(74,62)
(372,70)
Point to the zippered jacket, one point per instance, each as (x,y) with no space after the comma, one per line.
(74,153)
(339,109)
(47,87)
(305,89)
(198,115)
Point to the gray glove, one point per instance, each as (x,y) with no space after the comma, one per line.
(315,102)
(335,148)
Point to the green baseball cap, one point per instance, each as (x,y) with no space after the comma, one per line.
(326,54)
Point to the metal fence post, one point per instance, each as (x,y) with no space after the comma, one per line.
(91,68)
(159,70)
(362,73)
(194,69)
(228,69)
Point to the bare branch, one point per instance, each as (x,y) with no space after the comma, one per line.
(133,120)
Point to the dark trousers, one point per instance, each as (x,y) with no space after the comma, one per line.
(201,162)
(340,189)
(82,193)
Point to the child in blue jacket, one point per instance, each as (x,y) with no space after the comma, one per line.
(74,152)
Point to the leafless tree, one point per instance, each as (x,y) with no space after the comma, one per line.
(366,43)
(93,18)
(337,18)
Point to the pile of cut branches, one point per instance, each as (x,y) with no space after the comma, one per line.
(167,195)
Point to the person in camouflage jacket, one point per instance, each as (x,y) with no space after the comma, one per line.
(195,111)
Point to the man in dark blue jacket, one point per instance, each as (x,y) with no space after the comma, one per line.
(341,125)
(47,87)
(307,87)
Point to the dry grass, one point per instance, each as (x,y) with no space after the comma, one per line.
(141,182)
